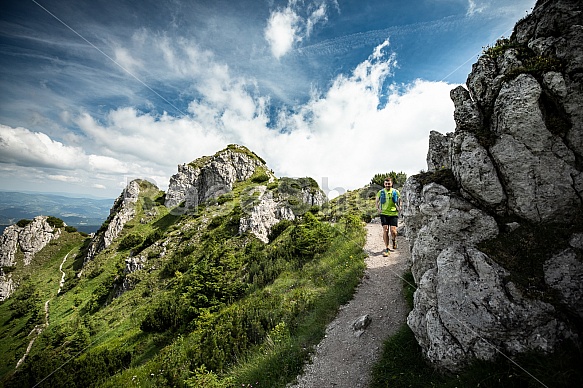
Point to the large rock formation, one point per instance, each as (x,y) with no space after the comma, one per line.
(123,210)
(268,207)
(28,240)
(210,177)
(516,153)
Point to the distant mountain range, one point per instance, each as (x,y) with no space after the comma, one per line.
(85,214)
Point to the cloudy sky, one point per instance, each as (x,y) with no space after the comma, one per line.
(96,93)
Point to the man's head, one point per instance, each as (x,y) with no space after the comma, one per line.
(388,182)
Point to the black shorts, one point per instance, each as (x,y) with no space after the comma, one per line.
(389,220)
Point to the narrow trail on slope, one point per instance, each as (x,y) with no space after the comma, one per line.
(344,357)
(38,329)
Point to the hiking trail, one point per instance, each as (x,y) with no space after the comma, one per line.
(38,329)
(344,357)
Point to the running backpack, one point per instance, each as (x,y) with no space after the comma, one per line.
(383,198)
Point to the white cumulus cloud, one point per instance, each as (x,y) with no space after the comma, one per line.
(292,24)
(282,31)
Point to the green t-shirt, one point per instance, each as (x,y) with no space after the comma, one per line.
(389,208)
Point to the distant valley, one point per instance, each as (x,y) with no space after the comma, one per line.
(85,214)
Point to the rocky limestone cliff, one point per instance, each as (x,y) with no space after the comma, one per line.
(122,211)
(516,154)
(28,239)
(269,207)
(210,177)
(261,201)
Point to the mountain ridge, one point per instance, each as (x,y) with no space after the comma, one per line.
(190,264)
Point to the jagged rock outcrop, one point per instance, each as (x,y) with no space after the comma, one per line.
(210,177)
(269,207)
(438,153)
(122,211)
(6,285)
(261,202)
(28,239)
(132,264)
(261,217)
(464,307)
(517,151)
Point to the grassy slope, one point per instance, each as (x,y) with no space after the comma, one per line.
(90,330)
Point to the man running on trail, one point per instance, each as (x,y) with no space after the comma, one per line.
(388,203)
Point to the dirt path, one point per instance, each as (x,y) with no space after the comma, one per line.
(38,329)
(344,357)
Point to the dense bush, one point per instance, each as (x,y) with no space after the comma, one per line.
(25,300)
(162,316)
(259,176)
(310,238)
(22,223)
(151,239)
(278,228)
(130,241)
(61,370)
(100,294)
(55,222)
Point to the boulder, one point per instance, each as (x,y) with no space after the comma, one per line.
(29,240)
(517,157)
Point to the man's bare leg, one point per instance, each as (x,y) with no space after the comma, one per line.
(394,236)
(386,239)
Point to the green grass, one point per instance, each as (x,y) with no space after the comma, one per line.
(330,282)
(268,304)
(299,303)
(42,278)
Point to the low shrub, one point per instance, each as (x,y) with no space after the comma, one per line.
(71,229)
(130,241)
(443,177)
(55,222)
(279,228)
(163,316)
(22,223)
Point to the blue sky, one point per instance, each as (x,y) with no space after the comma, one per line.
(96,93)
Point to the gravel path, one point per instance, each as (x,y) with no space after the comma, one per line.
(345,356)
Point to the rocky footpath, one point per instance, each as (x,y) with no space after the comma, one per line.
(354,339)
(515,159)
